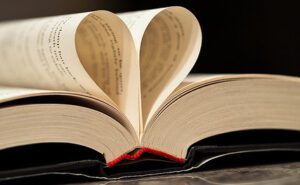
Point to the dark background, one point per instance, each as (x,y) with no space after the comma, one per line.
(246,36)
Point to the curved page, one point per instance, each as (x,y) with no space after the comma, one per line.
(89,52)
(168,41)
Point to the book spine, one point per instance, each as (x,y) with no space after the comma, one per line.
(140,152)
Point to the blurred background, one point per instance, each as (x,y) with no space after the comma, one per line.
(248,36)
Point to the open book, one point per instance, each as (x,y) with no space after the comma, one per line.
(116,84)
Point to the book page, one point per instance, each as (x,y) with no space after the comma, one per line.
(195,77)
(10,93)
(63,116)
(89,52)
(41,53)
(107,52)
(168,41)
(190,80)
(137,23)
(215,104)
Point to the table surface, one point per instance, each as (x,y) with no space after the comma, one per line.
(284,173)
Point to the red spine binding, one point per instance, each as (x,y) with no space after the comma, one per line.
(140,152)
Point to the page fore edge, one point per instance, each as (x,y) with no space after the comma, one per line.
(140,152)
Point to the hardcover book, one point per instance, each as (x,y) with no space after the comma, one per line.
(108,96)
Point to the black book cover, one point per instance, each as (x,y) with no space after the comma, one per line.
(72,161)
